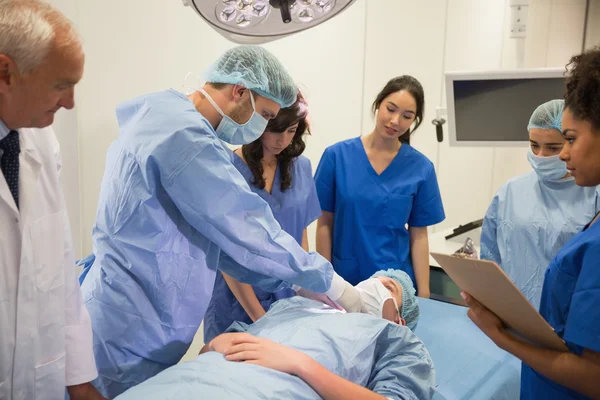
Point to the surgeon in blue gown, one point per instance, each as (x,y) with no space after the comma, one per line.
(275,170)
(173,207)
(378,194)
(534,215)
(571,292)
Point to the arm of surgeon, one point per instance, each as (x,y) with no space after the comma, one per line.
(243,347)
(419,251)
(244,293)
(325,234)
(580,373)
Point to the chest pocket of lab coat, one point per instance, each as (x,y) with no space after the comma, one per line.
(48,248)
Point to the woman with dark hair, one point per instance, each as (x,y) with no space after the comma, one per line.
(275,170)
(571,291)
(378,194)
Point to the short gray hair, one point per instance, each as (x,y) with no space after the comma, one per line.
(28,29)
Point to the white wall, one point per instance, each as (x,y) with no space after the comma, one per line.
(405,38)
(139,46)
(132,47)
(593,25)
(65,127)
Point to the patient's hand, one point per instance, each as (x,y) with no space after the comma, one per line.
(222,343)
(266,353)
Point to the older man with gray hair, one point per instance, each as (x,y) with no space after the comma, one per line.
(45,331)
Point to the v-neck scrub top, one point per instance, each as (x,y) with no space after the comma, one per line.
(372,212)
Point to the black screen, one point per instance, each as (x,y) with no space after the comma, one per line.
(499,109)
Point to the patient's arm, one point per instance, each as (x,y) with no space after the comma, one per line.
(263,352)
(329,385)
(244,293)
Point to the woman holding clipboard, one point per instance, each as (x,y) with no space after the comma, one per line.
(571,293)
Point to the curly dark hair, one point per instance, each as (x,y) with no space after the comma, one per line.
(412,86)
(583,87)
(253,152)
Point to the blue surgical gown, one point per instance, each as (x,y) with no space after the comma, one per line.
(172,208)
(294,209)
(529,221)
(571,305)
(371,211)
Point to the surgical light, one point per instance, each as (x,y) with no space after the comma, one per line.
(261,21)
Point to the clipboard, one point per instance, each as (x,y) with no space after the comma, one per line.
(487,282)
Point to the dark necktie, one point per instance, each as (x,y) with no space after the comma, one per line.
(10,162)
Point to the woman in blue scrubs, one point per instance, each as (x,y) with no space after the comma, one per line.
(571,292)
(275,170)
(378,194)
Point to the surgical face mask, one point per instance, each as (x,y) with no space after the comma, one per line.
(374,294)
(547,168)
(233,133)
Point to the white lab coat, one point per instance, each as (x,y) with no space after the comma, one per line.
(45,330)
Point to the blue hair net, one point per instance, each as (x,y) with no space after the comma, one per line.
(410,307)
(548,116)
(253,67)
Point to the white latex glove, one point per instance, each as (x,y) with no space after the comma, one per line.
(321,297)
(351,300)
(345,294)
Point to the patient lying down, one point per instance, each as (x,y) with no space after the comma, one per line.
(302,349)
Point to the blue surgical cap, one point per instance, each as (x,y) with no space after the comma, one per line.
(548,116)
(410,307)
(253,67)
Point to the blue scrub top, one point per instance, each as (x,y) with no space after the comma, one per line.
(371,211)
(571,305)
(294,209)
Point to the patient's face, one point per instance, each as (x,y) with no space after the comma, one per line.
(389,311)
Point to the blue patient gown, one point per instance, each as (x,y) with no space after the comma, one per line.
(371,211)
(571,305)
(369,351)
(529,221)
(172,208)
(294,209)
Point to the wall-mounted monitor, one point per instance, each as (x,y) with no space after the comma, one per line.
(492,108)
